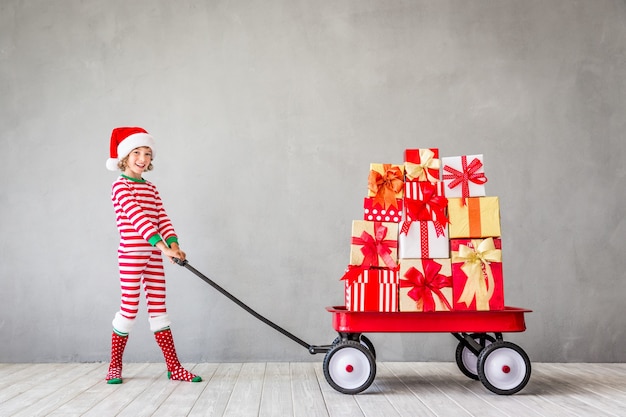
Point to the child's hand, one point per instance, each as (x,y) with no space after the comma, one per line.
(171,252)
(178,253)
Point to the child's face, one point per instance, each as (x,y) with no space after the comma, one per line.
(138,161)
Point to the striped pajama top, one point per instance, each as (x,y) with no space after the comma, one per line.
(140,215)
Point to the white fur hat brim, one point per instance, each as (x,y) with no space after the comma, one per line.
(131,142)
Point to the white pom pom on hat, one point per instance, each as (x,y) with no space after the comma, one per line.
(124,140)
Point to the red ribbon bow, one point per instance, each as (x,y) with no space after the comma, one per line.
(423,286)
(385,186)
(463,178)
(376,246)
(430,205)
(352,273)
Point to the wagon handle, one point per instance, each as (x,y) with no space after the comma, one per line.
(311,348)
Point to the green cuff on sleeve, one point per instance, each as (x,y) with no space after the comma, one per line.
(154,239)
(170,240)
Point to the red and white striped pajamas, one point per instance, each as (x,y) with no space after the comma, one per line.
(142,223)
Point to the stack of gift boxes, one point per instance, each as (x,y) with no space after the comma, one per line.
(429,239)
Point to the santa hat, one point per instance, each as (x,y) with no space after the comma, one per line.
(124,140)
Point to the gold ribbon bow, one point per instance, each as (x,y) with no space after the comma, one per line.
(419,172)
(476,265)
(386,185)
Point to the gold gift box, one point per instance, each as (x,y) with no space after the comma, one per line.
(389,240)
(474,217)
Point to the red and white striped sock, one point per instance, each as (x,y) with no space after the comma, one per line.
(175,370)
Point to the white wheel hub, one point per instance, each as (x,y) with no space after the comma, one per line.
(349,368)
(470,360)
(505,368)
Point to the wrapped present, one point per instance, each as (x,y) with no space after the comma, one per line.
(477,282)
(479,217)
(464,176)
(371,289)
(422,164)
(425,285)
(376,212)
(374,244)
(386,184)
(424,200)
(414,190)
(423,240)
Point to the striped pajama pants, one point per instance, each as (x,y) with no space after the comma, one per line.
(137,270)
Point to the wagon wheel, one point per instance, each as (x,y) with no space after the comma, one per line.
(503,367)
(466,360)
(349,367)
(365,341)
(369,345)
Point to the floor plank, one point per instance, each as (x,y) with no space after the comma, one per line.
(307,396)
(337,404)
(218,391)
(62,391)
(37,385)
(458,387)
(245,397)
(275,398)
(83,401)
(184,395)
(432,396)
(575,398)
(301,390)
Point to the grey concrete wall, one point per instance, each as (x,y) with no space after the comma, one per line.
(267,115)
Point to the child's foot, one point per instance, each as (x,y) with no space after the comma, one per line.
(114,376)
(181,374)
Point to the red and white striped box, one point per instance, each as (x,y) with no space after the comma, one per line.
(373,289)
(414,190)
(425,200)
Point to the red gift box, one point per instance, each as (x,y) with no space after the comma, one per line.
(477,282)
(422,164)
(374,289)
(376,212)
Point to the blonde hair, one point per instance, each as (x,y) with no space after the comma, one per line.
(123,164)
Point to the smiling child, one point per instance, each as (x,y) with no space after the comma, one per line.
(146,233)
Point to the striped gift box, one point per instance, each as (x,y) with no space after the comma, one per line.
(374,289)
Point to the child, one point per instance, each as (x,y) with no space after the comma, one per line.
(145,233)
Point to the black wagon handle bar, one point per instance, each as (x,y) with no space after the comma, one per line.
(311,348)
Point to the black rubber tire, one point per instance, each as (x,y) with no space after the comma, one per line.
(361,363)
(492,362)
(369,345)
(365,341)
(462,350)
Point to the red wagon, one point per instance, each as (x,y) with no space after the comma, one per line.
(502,367)
(482,354)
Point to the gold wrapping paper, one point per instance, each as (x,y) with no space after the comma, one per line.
(389,242)
(479,217)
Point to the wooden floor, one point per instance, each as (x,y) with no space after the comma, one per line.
(300,389)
